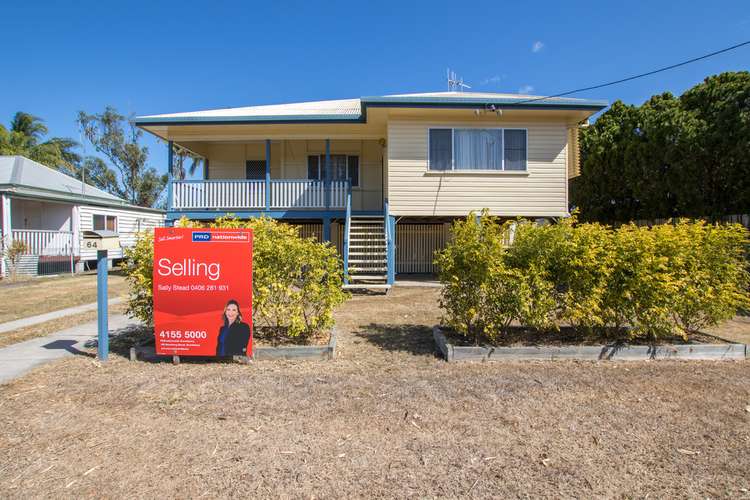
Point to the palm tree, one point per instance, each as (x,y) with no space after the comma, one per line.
(26,138)
(181,157)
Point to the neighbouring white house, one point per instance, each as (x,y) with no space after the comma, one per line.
(381,177)
(49,211)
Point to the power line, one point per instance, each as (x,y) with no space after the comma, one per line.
(649,73)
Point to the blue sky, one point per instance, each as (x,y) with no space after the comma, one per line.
(160,57)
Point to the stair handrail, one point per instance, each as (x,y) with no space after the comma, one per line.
(347,228)
(389,253)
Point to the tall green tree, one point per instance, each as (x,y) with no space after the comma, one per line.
(26,137)
(670,157)
(93,170)
(118,140)
(604,149)
(722,105)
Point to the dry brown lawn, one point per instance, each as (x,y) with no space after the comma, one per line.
(30,297)
(385,419)
(736,330)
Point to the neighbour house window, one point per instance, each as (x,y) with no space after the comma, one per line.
(477,149)
(342,167)
(105,222)
(255,170)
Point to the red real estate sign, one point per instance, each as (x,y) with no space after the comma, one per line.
(203,281)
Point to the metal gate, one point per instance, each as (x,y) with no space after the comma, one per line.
(311,230)
(416,245)
(315,230)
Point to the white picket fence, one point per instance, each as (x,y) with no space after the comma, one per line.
(244,194)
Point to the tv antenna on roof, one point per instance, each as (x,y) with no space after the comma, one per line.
(454,84)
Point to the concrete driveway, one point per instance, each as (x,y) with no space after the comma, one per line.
(17,359)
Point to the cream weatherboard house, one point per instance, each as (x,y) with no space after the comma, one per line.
(381,177)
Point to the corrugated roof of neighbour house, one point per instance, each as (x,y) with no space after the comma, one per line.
(354,110)
(24,177)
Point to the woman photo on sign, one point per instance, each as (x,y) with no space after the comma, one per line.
(234,335)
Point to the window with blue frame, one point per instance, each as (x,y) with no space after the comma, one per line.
(495,149)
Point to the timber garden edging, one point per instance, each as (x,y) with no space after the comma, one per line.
(618,352)
(321,352)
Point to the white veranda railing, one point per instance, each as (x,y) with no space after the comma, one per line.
(41,242)
(251,194)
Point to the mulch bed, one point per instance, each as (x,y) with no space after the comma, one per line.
(266,338)
(386,418)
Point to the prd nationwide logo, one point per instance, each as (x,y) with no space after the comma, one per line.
(221,236)
(201,236)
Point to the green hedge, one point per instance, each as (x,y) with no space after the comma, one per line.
(297,282)
(669,280)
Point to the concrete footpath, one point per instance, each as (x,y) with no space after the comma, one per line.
(41,318)
(17,359)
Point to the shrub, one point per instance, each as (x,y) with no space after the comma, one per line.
(538,304)
(642,288)
(511,294)
(13,253)
(481,294)
(464,266)
(572,263)
(675,279)
(139,273)
(659,282)
(297,282)
(711,274)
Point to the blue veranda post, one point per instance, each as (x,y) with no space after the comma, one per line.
(101,303)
